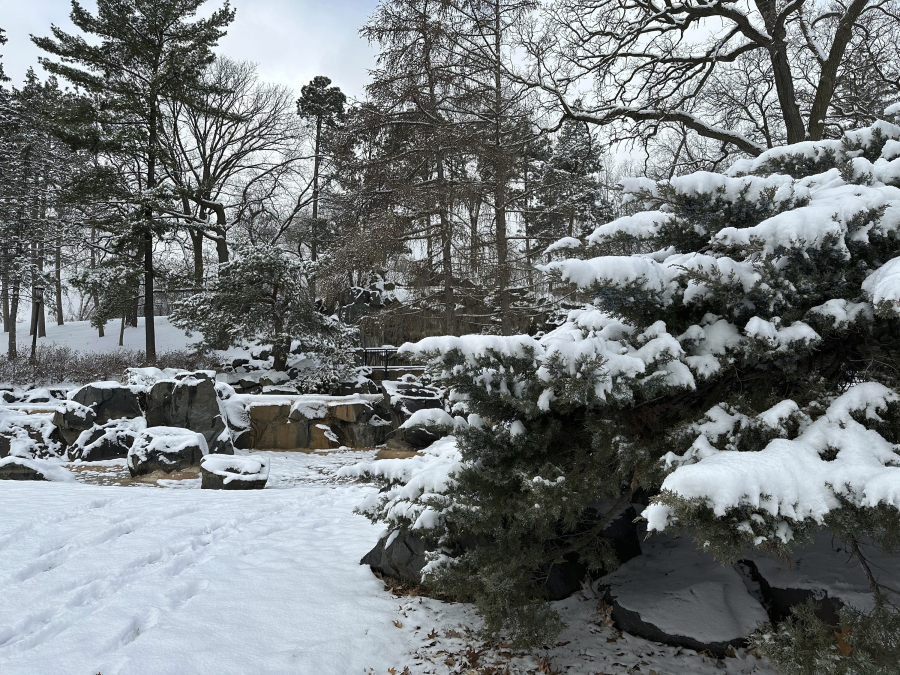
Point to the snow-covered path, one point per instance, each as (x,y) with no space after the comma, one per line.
(146,580)
(143,580)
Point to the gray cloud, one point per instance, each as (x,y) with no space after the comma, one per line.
(291,40)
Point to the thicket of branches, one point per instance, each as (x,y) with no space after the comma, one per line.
(489,130)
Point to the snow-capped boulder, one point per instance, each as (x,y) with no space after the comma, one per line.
(28,435)
(112,440)
(407,398)
(72,419)
(165,449)
(679,595)
(223,472)
(109,401)
(22,468)
(399,556)
(190,402)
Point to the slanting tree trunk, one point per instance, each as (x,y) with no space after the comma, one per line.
(782,76)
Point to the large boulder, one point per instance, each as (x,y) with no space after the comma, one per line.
(112,440)
(223,472)
(565,577)
(29,435)
(165,449)
(824,571)
(404,399)
(190,402)
(678,595)
(21,468)
(72,419)
(399,556)
(109,401)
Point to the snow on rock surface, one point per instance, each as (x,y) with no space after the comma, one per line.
(165,449)
(23,468)
(677,594)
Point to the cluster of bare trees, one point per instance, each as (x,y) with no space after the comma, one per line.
(489,129)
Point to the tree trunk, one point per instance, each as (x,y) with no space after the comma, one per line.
(93,266)
(122,332)
(13,314)
(57,279)
(197,246)
(500,177)
(4,299)
(149,325)
(781,72)
(828,76)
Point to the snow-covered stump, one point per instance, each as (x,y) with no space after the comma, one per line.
(21,468)
(165,449)
(222,472)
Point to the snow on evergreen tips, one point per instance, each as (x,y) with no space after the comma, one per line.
(735,368)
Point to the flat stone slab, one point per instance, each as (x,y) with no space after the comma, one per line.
(678,595)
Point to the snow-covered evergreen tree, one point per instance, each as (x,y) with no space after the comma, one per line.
(738,364)
(262,294)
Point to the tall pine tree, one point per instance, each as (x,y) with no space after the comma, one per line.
(146,51)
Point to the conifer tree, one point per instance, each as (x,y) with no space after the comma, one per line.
(323,106)
(148,51)
(737,363)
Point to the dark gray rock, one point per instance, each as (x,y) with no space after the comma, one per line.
(565,577)
(219,472)
(72,419)
(165,449)
(403,558)
(113,440)
(190,402)
(109,401)
(8,396)
(678,595)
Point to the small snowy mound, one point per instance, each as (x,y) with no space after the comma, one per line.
(22,468)
(227,472)
(165,449)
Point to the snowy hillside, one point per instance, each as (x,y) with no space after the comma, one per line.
(82,336)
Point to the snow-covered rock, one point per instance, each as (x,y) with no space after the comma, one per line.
(22,468)
(112,440)
(679,595)
(223,472)
(72,419)
(109,400)
(165,449)
(189,401)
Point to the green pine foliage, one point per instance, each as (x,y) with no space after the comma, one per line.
(262,294)
(736,362)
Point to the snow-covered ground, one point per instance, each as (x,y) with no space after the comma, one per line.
(142,580)
(81,335)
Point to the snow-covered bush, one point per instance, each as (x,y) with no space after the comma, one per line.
(738,365)
(262,294)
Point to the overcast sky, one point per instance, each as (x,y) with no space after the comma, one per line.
(291,40)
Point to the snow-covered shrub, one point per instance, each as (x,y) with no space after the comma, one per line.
(738,364)
(262,294)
